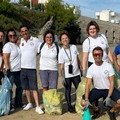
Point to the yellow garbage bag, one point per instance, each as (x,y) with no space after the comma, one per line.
(79,93)
(53,101)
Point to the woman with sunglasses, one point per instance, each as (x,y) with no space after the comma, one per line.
(12,57)
(93,40)
(2,37)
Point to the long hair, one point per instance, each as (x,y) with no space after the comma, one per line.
(1,43)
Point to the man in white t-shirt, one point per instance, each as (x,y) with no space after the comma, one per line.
(29,46)
(102,75)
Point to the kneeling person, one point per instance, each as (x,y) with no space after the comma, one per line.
(102,75)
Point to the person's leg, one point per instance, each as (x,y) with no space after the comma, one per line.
(44,75)
(34,87)
(68,93)
(115,97)
(25,85)
(53,79)
(11,78)
(76,80)
(18,95)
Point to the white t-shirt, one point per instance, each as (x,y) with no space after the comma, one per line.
(48,57)
(0,61)
(15,55)
(91,43)
(29,52)
(63,58)
(100,75)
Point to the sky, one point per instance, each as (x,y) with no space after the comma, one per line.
(89,7)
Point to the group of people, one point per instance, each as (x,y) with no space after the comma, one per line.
(18,58)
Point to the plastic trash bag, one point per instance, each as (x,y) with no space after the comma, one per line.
(5,97)
(53,101)
(117,76)
(79,93)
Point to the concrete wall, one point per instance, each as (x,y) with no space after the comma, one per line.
(110,27)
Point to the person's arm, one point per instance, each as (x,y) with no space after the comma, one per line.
(109,55)
(61,66)
(111,79)
(6,57)
(1,69)
(84,60)
(87,88)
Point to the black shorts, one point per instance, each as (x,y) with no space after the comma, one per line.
(29,79)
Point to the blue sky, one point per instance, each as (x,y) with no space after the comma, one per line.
(89,7)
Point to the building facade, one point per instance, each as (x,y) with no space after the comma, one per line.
(108,15)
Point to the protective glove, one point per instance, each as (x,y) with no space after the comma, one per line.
(84,72)
(64,83)
(8,73)
(107,101)
(87,104)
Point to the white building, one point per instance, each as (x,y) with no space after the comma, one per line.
(108,15)
(42,1)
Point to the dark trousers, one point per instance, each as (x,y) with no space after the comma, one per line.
(75,80)
(15,78)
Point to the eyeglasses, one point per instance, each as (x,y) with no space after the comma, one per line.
(49,37)
(97,54)
(10,36)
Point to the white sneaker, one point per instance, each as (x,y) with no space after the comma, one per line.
(28,106)
(39,110)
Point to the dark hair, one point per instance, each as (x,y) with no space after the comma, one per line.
(63,33)
(98,48)
(94,24)
(1,43)
(23,26)
(47,32)
(9,30)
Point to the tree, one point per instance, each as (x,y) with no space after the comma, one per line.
(64,18)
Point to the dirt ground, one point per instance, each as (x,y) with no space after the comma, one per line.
(19,114)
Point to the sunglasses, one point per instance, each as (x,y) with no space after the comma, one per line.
(10,36)
(97,54)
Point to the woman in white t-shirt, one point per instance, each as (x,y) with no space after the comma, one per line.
(69,67)
(48,61)
(2,36)
(11,57)
(93,40)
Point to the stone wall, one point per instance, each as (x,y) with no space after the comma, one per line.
(110,27)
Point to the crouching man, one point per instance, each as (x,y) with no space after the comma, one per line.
(101,75)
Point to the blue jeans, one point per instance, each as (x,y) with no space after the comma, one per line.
(15,78)
(75,80)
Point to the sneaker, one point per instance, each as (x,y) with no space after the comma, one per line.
(39,110)
(112,115)
(96,114)
(28,106)
(12,109)
(71,109)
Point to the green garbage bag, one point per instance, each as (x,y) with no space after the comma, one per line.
(117,76)
(53,101)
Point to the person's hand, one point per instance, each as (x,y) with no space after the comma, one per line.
(64,83)
(107,101)
(84,72)
(87,104)
(8,73)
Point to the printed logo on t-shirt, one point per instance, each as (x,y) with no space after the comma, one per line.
(102,42)
(106,72)
(75,52)
(22,44)
(31,43)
